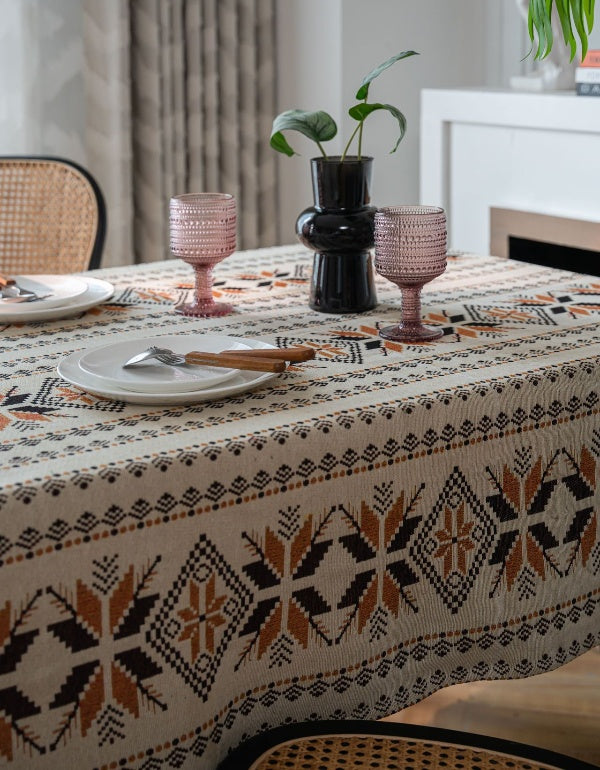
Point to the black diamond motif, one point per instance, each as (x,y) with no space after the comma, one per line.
(454,586)
(203,562)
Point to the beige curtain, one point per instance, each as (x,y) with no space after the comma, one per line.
(180,98)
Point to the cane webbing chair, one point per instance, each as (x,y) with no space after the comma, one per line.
(352,745)
(52,216)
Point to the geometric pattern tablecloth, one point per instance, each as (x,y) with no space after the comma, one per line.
(371,526)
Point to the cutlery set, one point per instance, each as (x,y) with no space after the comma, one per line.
(10,291)
(257,360)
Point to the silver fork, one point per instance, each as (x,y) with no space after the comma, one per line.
(172,359)
(152,352)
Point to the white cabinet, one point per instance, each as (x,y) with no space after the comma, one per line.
(483,149)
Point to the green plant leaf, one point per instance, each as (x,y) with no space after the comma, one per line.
(580,24)
(562,6)
(362,111)
(588,9)
(536,21)
(572,13)
(542,10)
(318,126)
(363,91)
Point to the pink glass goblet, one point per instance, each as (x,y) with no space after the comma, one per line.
(202,233)
(410,250)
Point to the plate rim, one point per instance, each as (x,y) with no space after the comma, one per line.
(104,291)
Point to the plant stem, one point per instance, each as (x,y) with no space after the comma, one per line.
(347,147)
(360,135)
(323,153)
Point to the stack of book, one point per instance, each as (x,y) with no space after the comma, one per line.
(587,75)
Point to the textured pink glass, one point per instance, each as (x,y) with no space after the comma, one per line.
(203,232)
(410,250)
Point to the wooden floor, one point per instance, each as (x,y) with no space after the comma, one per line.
(559,710)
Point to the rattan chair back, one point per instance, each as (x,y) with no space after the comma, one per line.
(358,745)
(52,216)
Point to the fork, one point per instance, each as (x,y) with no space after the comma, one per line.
(228,359)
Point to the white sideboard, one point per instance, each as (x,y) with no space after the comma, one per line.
(486,149)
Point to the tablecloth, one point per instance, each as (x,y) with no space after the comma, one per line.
(367,528)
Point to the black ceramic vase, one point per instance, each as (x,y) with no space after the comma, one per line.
(339,228)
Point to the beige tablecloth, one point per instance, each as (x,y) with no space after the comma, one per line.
(371,526)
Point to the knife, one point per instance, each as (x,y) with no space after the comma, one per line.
(11,291)
(253,363)
(5,281)
(296,354)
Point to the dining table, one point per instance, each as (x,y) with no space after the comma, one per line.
(337,541)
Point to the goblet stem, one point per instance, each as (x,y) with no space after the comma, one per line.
(203,303)
(411,328)
(411,307)
(203,276)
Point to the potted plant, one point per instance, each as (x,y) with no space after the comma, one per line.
(339,228)
(576,20)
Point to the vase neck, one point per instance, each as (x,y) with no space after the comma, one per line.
(341,184)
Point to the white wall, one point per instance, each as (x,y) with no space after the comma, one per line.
(309,78)
(327,46)
(440,32)
(507,43)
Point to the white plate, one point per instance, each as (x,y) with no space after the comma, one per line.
(62,289)
(97,291)
(69,370)
(106,363)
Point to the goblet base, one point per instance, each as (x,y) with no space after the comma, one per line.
(410,333)
(204,309)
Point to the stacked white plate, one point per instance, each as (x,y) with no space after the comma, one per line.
(100,371)
(67,295)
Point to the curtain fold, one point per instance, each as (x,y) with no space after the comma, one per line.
(266,108)
(180,98)
(108,124)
